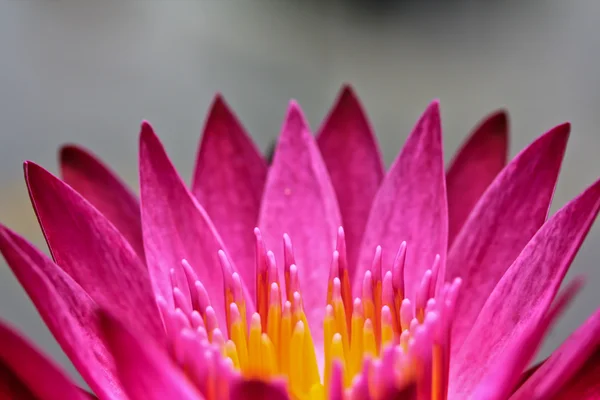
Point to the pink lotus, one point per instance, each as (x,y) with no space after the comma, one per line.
(440,286)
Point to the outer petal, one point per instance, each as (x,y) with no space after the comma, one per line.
(474,167)
(12,388)
(176,227)
(66,309)
(299,200)
(145,372)
(525,292)
(228,181)
(564,363)
(104,190)
(351,154)
(411,206)
(33,369)
(586,384)
(501,381)
(89,248)
(505,219)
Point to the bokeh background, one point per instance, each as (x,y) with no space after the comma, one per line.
(89,71)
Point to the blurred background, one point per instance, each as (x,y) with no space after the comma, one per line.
(89,71)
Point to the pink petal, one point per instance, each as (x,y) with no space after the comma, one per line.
(411,206)
(351,154)
(586,384)
(145,372)
(104,190)
(257,390)
(12,388)
(564,363)
(66,309)
(525,292)
(507,216)
(299,200)
(228,181)
(43,378)
(479,160)
(501,381)
(176,227)
(90,249)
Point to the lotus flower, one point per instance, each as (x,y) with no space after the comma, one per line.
(440,285)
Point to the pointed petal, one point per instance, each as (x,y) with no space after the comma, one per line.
(255,390)
(34,370)
(228,182)
(176,227)
(104,190)
(503,221)
(474,167)
(351,154)
(564,363)
(90,249)
(411,206)
(66,309)
(144,370)
(586,384)
(500,382)
(525,292)
(299,200)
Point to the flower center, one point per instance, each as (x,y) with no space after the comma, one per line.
(377,342)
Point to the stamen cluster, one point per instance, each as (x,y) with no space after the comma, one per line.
(378,342)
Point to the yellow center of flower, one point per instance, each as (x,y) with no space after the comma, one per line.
(378,342)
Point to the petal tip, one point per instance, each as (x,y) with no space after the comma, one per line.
(294,107)
(559,135)
(218,108)
(30,167)
(294,118)
(69,153)
(347,102)
(564,128)
(433,110)
(496,124)
(146,128)
(147,133)
(348,92)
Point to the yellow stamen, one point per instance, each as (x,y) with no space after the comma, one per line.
(337,353)
(238,336)
(285,339)
(254,347)
(356,343)
(340,323)
(268,363)
(311,372)
(329,330)
(387,328)
(274,317)
(231,352)
(369,344)
(296,380)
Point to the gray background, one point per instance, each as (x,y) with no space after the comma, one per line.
(89,71)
